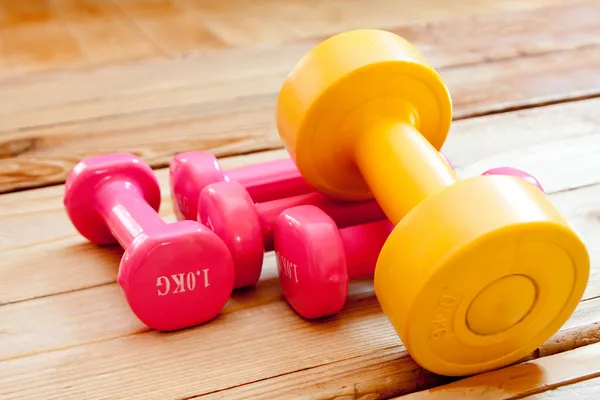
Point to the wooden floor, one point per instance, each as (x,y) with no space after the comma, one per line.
(159,77)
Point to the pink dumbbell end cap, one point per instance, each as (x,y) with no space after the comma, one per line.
(177,278)
(311,261)
(83,181)
(228,209)
(189,173)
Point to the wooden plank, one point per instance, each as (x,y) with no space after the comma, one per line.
(67,277)
(584,390)
(70,264)
(573,26)
(563,159)
(26,53)
(391,372)
(22,26)
(517,381)
(197,360)
(45,155)
(298,19)
(228,124)
(35,232)
(103,32)
(180,26)
(79,317)
(357,346)
(17,13)
(171,27)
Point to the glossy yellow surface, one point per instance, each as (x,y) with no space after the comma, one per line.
(480,275)
(351,85)
(478,272)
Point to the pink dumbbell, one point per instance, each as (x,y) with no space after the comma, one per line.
(192,171)
(173,275)
(316,260)
(247,228)
(514,172)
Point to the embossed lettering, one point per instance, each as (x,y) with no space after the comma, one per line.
(163,281)
(287,268)
(442,317)
(181,283)
(178,280)
(206,282)
(190,281)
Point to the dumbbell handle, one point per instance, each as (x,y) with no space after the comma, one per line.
(343,213)
(125,211)
(394,155)
(362,244)
(270,180)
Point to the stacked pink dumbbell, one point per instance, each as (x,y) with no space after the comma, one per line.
(181,274)
(321,244)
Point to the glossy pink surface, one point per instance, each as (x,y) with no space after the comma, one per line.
(192,171)
(514,172)
(316,260)
(247,228)
(227,209)
(173,276)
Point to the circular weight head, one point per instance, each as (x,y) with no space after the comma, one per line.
(87,177)
(489,270)
(178,278)
(311,261)
(189,173)
(227,209)
(514,172)
(350,84)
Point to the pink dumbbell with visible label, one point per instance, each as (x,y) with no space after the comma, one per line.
(192,171)
(247,228)
(173,275)
(316,260)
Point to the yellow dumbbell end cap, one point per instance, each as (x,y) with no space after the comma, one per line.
(480,274)
(346,85)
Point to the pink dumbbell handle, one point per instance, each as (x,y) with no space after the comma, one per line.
(270,180)
(125,211)
(362,245)
(343,213)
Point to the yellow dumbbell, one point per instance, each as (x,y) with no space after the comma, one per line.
(478,272)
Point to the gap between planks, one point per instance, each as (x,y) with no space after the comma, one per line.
(575,145)
(562,159)
(526,379)
(92,33)
(157,103)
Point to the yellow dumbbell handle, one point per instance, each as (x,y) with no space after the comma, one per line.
(401,167)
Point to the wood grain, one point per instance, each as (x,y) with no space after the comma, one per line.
(172,27)
(299,19)
(207,103)
(74,293)
(156,77)
(584,390)
(357,345)
(563,159)
(139,29)
(391,372)
(521,380)
(103,32)
(444,44)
